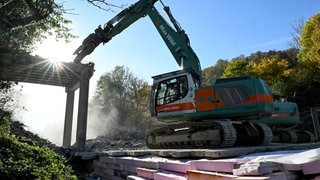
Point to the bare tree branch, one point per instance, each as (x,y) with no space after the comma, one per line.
(102,4)
(297,27)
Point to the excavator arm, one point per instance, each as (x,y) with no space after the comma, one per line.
(175,38)
(113,27)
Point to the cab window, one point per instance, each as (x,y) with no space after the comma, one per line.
(171,90)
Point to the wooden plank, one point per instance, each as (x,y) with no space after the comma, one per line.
(196,175)
(220,165)
(167,175)
(129,168)
(284,175)
(137,153)
(181,167)
(133,177)
(140,162)
(311,167)
(146,173)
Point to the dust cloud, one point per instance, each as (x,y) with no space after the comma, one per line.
(100,122)
(43,113)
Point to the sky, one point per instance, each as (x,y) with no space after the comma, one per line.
(216,29)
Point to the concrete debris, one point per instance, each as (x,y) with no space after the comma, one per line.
(118,139)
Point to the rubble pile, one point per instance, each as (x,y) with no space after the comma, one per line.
(115,139)
(118,139)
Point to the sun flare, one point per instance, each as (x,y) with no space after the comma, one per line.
(56,51)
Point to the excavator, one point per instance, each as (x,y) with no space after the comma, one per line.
(219,115)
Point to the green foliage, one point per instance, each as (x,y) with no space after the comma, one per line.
(212,73)
(309,56)
(24,23)
(237,67)
(4,123)
(21,158)
(120,90)
(275,72)
(306,83)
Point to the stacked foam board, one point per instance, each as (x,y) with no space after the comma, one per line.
(280,165)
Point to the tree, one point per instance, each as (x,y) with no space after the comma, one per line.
(237,67)
(309,56)
(26,22)
(212,73)
(306,84)
(122,98)
(272,70)
(275,72)
(296,34)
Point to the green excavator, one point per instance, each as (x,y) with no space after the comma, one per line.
(219,115)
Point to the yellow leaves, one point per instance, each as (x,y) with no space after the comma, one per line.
(310,43)
(272,69)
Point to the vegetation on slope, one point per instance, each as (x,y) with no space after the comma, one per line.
(22,158)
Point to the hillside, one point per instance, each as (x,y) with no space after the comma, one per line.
(24,155)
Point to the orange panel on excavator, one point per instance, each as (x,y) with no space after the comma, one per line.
(205,99)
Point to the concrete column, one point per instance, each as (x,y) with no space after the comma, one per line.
(67,132)
(82,113)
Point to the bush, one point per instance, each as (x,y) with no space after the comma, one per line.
(22,158)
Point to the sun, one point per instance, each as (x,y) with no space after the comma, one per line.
(56,51)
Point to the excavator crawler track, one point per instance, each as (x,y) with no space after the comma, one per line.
(204,134)
(265,134)
(208,134)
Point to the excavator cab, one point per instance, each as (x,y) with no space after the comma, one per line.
(172,95)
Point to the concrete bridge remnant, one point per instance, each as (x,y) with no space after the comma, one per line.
(72,76)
